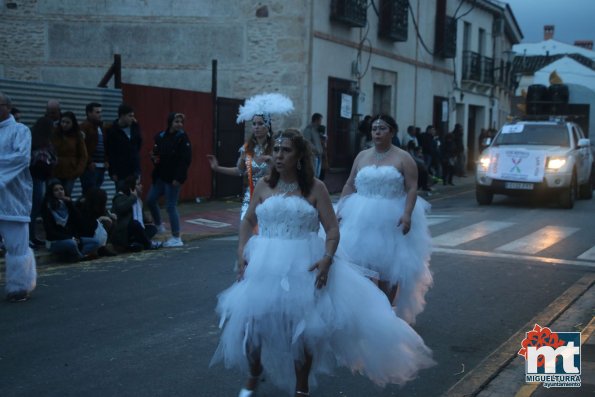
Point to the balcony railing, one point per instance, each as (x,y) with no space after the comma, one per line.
(350,12)
(478,68)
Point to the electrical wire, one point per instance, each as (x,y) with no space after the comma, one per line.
(421,40)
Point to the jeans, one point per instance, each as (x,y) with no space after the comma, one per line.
(171,192)
(70,249)
(92,178)
(38,193)
(317,165)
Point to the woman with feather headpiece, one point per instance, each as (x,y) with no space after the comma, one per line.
(255,154)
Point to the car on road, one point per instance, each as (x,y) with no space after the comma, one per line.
(536,157)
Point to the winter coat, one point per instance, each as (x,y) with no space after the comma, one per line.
(122,207)
(122,152)
(55,232)
(72,154)
(175,154)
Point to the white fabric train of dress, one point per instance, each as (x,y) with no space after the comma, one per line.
(371,239)
(276,307)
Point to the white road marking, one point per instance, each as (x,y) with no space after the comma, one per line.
(588,255)
(208,223)
(539,240)
(437,219)
(502,255)
(469,233)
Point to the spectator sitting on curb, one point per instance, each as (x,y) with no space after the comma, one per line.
(62,222)
(96,221)
(134,229)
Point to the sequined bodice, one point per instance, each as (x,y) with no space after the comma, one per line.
(286,217)
(259,170)
(380,181)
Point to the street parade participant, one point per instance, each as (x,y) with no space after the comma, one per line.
(383,229)
(255,154)
(16,189)
(296,309)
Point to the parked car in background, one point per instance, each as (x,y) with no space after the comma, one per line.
(537,157)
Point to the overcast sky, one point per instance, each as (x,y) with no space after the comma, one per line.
(574,19)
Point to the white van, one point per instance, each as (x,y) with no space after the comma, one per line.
(536,157)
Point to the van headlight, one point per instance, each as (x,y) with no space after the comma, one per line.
(555,163)
(484,162)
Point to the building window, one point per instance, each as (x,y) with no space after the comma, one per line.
(393,20)
(350,12)
(382,99)
(445,44)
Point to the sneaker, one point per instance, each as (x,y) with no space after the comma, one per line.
(155,245)
(173,242)
(161,229)
(135,247)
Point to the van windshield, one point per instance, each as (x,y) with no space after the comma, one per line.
(533,134)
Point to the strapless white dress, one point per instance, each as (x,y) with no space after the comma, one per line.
(371,239)
(277,307)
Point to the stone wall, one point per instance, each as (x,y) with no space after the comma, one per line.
(259,46)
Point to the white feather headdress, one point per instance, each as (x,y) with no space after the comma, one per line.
(265,105)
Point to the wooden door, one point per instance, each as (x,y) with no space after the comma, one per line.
(339,129)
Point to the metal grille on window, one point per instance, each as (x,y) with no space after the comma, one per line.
(393,20)
(350,12)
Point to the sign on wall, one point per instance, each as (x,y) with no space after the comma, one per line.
(346,106)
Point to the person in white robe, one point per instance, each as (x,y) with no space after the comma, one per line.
(16,195)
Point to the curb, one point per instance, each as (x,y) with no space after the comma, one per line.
(488,369)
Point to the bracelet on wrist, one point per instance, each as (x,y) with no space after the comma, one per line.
(327,255)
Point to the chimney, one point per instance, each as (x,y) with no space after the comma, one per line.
(588,44)
(548,32)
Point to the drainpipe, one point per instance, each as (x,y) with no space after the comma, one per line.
(415,70)
(310,72)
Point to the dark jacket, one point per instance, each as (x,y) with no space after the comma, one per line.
(426,141)
(55,232)
(175,154)
(123,153)
(122,207)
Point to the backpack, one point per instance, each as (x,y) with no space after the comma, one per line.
(43,161)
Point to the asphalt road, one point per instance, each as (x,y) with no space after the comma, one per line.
(144,325)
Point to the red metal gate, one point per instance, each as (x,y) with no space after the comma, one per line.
(152,106)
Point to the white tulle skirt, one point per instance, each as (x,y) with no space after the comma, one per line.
(370,238)
(277,309)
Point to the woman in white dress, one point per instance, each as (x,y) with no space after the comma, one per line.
(255,154)
(397,244)
(296,310)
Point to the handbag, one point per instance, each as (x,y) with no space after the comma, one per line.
(43,161)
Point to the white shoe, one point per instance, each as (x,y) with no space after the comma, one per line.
(161,229)
(173,242)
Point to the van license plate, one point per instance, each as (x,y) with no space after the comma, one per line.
(518,186)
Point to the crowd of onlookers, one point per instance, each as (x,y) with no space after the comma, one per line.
(63,149)
(439,157)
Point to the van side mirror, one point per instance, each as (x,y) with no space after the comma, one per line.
(584,142)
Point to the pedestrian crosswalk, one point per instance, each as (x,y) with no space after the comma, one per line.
(500,238)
